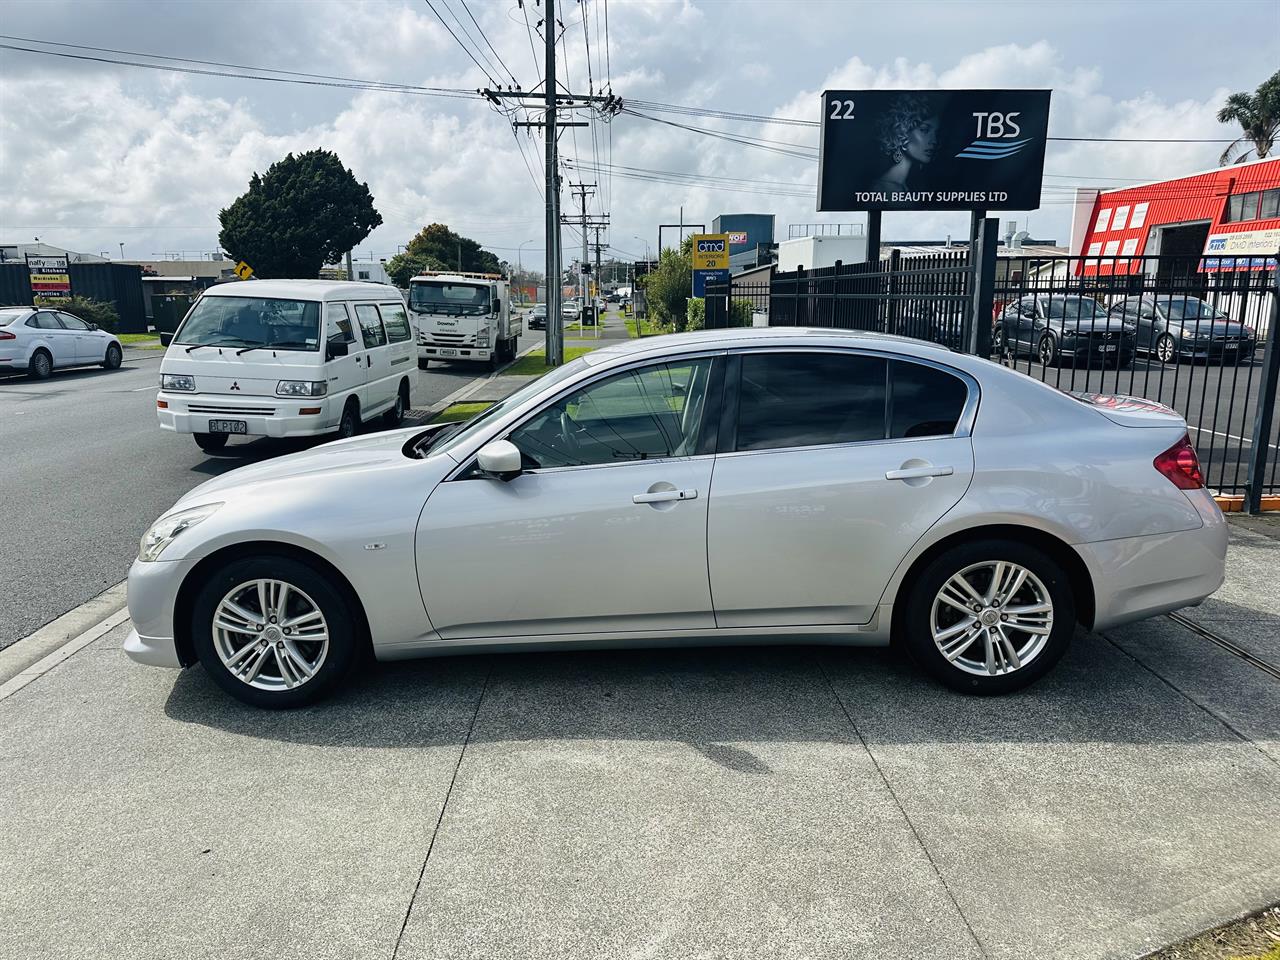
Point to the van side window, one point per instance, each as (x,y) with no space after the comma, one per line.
(396,321)
(370,325)
(337,323)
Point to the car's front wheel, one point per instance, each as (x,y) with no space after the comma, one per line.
(989,616)
(1048,350)
(273,631)
(1167,349)
(113,358)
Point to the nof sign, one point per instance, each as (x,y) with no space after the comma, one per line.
(711,251)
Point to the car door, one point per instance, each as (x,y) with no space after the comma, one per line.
(62,342)
(603,530)
(402,352)
(378,391)
(87,341)
(344,374)
(838,462)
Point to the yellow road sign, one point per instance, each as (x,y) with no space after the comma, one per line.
(711,251)
(243,270)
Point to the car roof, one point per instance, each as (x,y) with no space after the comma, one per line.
(305,290)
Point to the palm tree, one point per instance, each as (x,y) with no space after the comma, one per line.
(1258,114)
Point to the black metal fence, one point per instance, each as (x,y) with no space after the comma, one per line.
(1163,328)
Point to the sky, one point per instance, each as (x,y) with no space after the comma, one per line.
(94,155)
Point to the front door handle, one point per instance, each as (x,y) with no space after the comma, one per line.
(661,496)
(911,473)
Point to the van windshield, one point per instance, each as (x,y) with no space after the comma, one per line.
(252,322)
(459,299)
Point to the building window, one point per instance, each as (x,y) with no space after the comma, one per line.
(1242,206)
(1270,204)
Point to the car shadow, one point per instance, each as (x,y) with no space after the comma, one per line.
(717,700)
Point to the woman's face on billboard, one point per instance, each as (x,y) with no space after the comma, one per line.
(922,141)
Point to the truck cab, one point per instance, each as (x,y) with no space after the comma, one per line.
(464,316)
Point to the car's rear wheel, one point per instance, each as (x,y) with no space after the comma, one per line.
(40,365)
(990,616)
(211,442)
(113,357)
(273,631)
(398,409)
(1167,349)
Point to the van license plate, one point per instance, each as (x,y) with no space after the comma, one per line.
(228,426)
(447,352)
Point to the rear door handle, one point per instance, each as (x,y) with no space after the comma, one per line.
(661,496)
(911,473)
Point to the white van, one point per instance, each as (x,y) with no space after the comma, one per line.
(287,358)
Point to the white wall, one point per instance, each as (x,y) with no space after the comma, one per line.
(815,252)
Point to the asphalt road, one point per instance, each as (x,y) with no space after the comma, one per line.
(85,468)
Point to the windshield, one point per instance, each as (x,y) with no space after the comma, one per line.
(1189,308)
(461,299)
(8,316)
(1073,308)
(252,322)
(448,439)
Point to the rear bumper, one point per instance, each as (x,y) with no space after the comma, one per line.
(1138,577)
(285,420)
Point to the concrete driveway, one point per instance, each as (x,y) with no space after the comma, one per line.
(779,802)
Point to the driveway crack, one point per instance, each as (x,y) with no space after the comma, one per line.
(475,713)
(901,809)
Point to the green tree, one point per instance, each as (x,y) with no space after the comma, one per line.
(668,288)
(304,212)
(436,247)
(1258,114)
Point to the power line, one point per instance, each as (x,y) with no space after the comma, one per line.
(532,51)
(465,49)
(490,45)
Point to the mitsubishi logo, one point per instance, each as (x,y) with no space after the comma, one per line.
(235,385)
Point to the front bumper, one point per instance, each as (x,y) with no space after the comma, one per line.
(1216,349)
(152,592)
(263,416)
(438,351)
(1138,577)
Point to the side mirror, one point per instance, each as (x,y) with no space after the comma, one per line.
(93,326)
(497,305)
(335,347)
(166,339)
(499,458)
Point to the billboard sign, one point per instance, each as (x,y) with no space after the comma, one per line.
(932,149)
(737,237)
(50,277)
(710,251)
(1242,250)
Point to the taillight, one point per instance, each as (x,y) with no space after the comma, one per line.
(1181,465)
(6,335)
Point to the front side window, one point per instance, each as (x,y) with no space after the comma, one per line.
(72,323)
(807,399)
(396,321)
(252,322)
(337,323)
(649,413)
(370,325)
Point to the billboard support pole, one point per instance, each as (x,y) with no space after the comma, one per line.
(982,261)
(873,236)
(1266,410)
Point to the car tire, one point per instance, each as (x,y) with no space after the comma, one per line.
(349,425)
(113,358)
(999,345)
(1047,351)
(40,366)
(395,415)
(287,670)
(423,363)
(211,442)
(963,654)
(1166,349)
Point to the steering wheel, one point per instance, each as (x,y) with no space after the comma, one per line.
(568,430)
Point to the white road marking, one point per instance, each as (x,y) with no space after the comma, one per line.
(1232,436)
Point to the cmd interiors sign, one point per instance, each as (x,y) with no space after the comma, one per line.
(932,149)
(710,261)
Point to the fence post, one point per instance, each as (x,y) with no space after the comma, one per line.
(891,305)
(982,294)
(1264,415)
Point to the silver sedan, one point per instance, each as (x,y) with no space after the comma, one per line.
(740,486)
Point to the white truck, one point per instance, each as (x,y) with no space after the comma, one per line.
(464,316)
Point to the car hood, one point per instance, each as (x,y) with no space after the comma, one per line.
(355,456)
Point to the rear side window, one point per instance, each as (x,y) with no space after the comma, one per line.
(396,322)
(370,325)
(806,399)
(46,321)
(924,401)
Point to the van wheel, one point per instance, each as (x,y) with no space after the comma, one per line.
(211,442)
(393,416)
(273,631)
(349,425)
(991,616)
(423,362)
(41,365)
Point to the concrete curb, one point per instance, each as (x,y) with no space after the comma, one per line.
(1236,504)
(469,389)
(35,655)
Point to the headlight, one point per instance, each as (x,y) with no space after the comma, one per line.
(482,339)
(166,528)
(301,388)
(177,381)
(1248,332)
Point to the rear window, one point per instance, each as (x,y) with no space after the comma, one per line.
(10,316)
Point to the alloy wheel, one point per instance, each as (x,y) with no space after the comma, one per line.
(992,618)
(270,635)
(1165,348)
